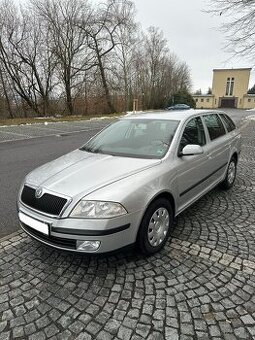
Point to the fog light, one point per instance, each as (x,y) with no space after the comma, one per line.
(88,245)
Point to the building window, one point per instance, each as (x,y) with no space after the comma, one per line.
(196,100)
(202,100)
(227,87)
(249,100)
(230,86)
(208,100)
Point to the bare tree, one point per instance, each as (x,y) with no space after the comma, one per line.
(183,78)
(160,72)
(11,36)
(102,37)
(198,92)
(83,57)
(239,26)
(68,40)
(156,52)
(122,57)
(25,56)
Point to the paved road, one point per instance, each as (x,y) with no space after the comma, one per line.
(19,157)
(21,132)
(201,286)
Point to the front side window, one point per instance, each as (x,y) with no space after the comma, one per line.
(193,133)
(214,125)
(140,138)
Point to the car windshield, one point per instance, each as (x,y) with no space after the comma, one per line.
(141,138)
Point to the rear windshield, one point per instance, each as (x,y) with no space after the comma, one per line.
(142,138)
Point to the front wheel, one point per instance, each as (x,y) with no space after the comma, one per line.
(230,177)
(155,226)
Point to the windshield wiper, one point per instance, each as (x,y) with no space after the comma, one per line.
(88,149)
(85,148)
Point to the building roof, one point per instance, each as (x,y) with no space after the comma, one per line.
(203,95)
(233,69)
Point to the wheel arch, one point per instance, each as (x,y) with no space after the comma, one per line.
(167,195)
(235,156)
(161,195)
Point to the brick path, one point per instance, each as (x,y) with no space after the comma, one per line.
(201,286)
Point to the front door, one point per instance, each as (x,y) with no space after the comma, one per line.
(192,169)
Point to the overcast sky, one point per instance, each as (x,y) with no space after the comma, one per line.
(192,34)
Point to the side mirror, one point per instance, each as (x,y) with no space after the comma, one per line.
(192,150)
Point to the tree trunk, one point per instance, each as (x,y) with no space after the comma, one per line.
(6,96)
(105,85)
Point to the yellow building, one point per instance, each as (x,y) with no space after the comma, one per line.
(229,89)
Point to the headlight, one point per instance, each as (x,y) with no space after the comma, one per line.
(97,209)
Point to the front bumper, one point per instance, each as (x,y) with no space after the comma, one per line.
(67,233)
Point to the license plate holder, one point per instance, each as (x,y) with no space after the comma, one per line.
(34,224)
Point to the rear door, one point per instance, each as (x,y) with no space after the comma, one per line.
(218,148)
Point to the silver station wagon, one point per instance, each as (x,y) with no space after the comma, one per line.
(127,183)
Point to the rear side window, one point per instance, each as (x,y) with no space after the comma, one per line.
(230,125)
(214,125)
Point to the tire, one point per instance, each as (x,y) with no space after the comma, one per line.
(155,226)
(230,177)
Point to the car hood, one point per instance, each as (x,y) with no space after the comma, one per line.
(80,172)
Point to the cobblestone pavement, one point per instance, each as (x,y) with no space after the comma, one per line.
(201,286)
(19,132)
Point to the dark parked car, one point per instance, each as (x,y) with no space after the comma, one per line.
(179,107)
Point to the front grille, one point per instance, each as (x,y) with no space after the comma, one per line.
(57,241)
(48,203)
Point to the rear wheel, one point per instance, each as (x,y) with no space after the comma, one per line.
(155,226)
(229,180)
